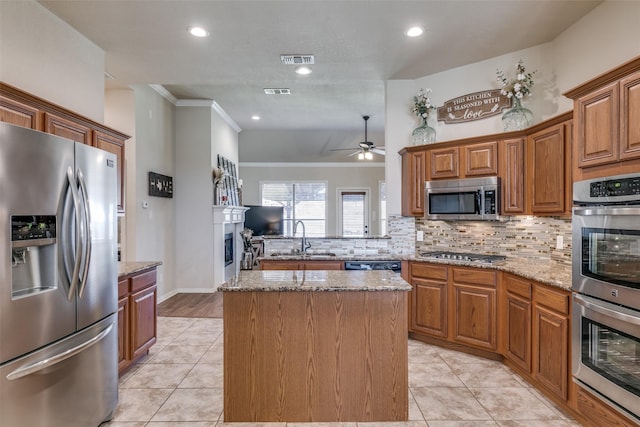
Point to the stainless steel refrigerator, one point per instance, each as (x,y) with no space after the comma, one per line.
(58,281)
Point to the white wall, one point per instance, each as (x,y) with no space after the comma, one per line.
(43,55)
(577,55)
(343,176)
(201,134)
(151,233)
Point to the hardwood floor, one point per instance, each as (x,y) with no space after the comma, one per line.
(192,305)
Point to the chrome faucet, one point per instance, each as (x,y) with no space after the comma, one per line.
(304,244)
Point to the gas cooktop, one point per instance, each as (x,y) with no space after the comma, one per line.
(463,256)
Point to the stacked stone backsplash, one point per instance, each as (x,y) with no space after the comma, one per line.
(400,241)
(519,236)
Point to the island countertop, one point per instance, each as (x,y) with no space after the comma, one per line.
(315,280)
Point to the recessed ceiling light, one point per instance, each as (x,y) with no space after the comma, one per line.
(198,31)
(414,32)
(303,69)
(255,117)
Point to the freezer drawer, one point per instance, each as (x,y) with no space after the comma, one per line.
(71,383)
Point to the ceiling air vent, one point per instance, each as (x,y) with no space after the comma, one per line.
(297,59)
(277,91)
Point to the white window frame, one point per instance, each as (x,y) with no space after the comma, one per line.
(367,218)
(297,181)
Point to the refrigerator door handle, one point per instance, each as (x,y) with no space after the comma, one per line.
(31,368)
(87,234)
(76,205)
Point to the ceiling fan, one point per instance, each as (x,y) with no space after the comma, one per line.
(365,148)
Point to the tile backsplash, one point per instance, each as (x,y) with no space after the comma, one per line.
(522,236)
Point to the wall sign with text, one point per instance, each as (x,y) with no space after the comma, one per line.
(160,185)
(474,106)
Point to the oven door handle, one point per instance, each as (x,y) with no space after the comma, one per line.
(606,211)
(602,308)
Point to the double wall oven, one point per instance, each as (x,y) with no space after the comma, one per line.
(606,285)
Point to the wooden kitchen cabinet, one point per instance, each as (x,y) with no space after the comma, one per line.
(551,340)
(137,316)
(517,320)
(548,171)
(60,126)
(480,159)
(607,113)
(301,265)
(20,114)
(444,163)
(429,299)
(113,145)
(124,328)
(512,176)
(414,174)
(23,109)
(474,307)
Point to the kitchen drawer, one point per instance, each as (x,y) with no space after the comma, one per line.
(558,301)
(429,271)
(518,286)
(474,276)
(143,280)
(123,287)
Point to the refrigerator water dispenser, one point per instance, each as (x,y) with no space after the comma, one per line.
(33,255)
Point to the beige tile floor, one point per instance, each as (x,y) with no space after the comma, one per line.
(180,385)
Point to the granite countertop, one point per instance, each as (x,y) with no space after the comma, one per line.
(549,272)
(130,267)
(315,280)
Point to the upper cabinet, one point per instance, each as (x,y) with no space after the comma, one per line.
(534,166)
(23,109)
(414,174)
(548,171)
(607,123)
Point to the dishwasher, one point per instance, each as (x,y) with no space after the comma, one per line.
(373,265)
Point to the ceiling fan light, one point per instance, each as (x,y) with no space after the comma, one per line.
(360,156)
(368,155)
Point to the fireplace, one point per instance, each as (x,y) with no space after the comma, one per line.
(228,222)
(228,249)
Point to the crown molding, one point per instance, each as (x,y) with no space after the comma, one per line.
(209,103)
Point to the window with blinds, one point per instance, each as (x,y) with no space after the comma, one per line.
(353,213)
(304,201)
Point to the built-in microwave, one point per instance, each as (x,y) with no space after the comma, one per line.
(463,199)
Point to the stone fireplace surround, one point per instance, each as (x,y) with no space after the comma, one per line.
(226,219)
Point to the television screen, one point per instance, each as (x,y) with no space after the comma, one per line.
(264,220)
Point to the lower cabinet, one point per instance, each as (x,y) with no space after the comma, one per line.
(301,265)
(517,321)
(493,313)
(474,307)
(429,299)
(551,313)
(137,316)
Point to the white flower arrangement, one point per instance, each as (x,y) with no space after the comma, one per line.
(422,106)
(520,86)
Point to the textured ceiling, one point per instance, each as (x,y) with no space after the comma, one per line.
(357,46)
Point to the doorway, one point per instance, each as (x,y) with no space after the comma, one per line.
(353,212)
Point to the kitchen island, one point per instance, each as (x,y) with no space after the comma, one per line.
(315,346)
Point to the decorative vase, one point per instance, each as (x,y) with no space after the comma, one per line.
(517,118)
(423,134)
(246,262)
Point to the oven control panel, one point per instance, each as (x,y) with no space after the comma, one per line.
(615,187)
(611,190)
